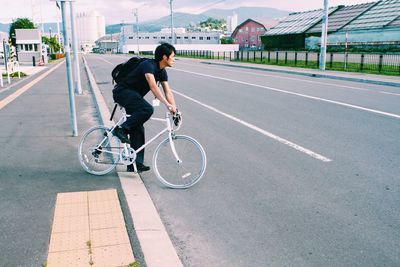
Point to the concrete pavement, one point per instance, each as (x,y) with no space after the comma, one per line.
(39,160)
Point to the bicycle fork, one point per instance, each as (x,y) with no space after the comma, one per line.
(170,136)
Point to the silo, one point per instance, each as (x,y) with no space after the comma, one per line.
(90,27)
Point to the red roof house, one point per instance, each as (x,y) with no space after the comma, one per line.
(248,33)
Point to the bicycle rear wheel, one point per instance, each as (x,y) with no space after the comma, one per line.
(99,150)
(182,174)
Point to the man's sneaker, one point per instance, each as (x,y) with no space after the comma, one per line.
(121,134)
(140,167)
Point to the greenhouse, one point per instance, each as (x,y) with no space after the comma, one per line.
(370,25)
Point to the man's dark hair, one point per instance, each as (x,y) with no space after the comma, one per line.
(163,49)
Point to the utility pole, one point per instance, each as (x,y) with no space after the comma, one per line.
(136,14)
(76,72)
(68,65)
(345,49)
(324,37)
(172,23)
(76,69)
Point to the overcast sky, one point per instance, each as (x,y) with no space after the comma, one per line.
(116,11)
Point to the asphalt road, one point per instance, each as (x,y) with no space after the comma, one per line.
(301,171)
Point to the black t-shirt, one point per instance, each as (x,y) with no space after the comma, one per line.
(136,80)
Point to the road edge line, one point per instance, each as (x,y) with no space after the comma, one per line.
(317,75)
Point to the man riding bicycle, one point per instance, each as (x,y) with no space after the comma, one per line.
(130,94)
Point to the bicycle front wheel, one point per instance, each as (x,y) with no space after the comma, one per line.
(99,150)
(182,174)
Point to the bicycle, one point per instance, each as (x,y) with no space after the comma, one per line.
(181,166)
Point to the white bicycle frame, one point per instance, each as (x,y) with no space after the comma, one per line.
(168,128)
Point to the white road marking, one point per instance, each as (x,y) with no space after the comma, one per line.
(297,94)
(296,79)
(388,93)
(302,80)
(255,128)
(24,88)
(105,60)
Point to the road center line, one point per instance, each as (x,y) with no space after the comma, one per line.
(24,88)
(105,60)
(294,79)
(297,94)
(255,128)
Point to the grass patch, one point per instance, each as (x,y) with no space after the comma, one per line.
(15,74)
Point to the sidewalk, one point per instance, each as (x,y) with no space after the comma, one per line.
(338,75)
(39,160)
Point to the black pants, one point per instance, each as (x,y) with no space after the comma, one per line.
(140,111)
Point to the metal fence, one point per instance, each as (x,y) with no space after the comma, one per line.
(361,62)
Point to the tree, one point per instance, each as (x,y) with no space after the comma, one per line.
(20,23)
(214,24)
(227,40)
(52,43)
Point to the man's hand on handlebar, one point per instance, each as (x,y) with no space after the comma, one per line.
(171,108)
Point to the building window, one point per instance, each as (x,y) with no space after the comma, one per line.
(240,30)
(208,38)
(154,37)
(130,37)
(201,38)
(253,29)
(178,37)
(147,37)
(36,47)
(247,29)
(140,37)
(186,37)
(193,37)
(162,37)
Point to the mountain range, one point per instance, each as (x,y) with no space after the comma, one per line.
(186,19)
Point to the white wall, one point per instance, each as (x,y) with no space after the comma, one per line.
(193,47)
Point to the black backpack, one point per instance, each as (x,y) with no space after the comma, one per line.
(120,71)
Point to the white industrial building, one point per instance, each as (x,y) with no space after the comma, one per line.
(90,26)
(231,23)
(131,42)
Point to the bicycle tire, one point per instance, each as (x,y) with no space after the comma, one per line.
(179,175)
(96,148)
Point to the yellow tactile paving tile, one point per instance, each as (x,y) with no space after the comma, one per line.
(89,227)
(102,195)
(72,198)
(70,224)
(76,258)
(106,220)
(68,241)
(109,237)
(118,255)
(70,210)
(110,206)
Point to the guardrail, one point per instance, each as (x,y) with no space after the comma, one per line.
(360,62)
(12,67)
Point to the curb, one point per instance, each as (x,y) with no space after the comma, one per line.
(154,240)
(317,75)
